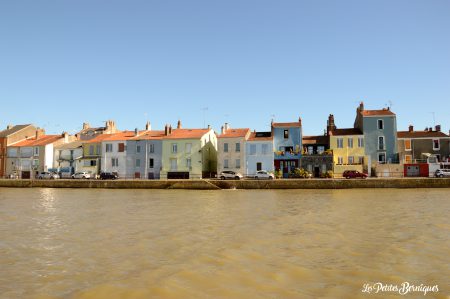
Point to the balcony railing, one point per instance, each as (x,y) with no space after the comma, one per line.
(287,155)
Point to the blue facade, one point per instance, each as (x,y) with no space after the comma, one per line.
(144,159)
(259,156)
(287,141)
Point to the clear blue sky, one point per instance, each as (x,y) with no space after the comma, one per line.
(64,62)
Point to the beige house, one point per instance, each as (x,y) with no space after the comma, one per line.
(232,149)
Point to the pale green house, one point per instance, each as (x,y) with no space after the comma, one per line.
(188,153)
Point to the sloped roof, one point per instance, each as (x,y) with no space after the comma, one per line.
(291,124)
(98,138)
(43,140)
(149,135)
(260,136)
(421,134)
(320,139)
(348,131)
(187,133)
(233,133)
(383,112)
(70,145)
(122,136)
(15,129)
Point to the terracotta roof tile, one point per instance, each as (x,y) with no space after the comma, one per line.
(382,112)
(348,131)
(99,138)
(233,133)
(292,124)
(260,136)
(320,139)
(149,135)
(122,136)
(43,140)
(186,133)
(421,134)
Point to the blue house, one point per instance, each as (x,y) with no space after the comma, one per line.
(259,153)
(380,134)
(287,141)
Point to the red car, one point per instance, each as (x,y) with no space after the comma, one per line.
(354,174)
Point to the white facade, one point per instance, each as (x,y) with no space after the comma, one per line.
(113,158)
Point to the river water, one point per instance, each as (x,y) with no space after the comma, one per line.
(82,243)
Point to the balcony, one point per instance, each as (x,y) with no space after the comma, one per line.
(327,153)
(287,155)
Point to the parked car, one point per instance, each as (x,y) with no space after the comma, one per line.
(263,174)
(354,174)
(440,173)
(48,176)
(14,175)
(231,175)
(81,175)
(108,176)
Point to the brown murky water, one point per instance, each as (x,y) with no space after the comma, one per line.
(81,243)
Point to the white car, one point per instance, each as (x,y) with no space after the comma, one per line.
(230,175)
(81,175)
(440,173)
(47,176)
(264,175)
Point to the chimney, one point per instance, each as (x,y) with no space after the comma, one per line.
(411,128)
(330,124)
(65,135)
(166,130)
(136,132)
(221,130)
(426,129)
(361,106)
(209,127)
(226,128)
(170,129)
(438,128)
(86,126)
(179,124)
(148,126)
(9,127)
(110,126)
(300,120)
(39,133)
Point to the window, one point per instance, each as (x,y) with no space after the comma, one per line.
(115,162)
(151,162)
(121,147)
(361,160)
(380,124)
(264,149)
(310,150)
(93,162)
(340,142)
(350,142)
(340,160)
(225,163)
(238,147)
(286,134)
(350,160)
(381,142)
(225,147)
(109,148)
(382,157)
(407,144)
(238,163)
(138,148)
(320,149)
(360,142)
(252,149)
(174,148)
(151,148)
(91,150)
(98,149)
(173,164)
(258,166)
(408,159)
(188,148)
(436,145)
(87,162)
(188,163)
(36,151)
(36,162)
(138,162)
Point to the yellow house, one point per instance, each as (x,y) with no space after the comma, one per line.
(348,150)
(92,153)
(188,153)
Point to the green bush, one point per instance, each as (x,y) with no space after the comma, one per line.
(278,174)
(299,173)
(327,175)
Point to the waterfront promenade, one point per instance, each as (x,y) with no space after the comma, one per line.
(212,184)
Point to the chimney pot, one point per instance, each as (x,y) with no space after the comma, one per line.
(221,130)
(209,127)
(148,126)
(179,124)
(411,128)
(166,130)
(361,106)
(227,127)
(438,128)
(300,120)
(8,127)
(86,126)
(170,129)
(136,132)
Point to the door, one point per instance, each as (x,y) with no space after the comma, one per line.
(137,175)
(258,166)
(316,171)
(26,174)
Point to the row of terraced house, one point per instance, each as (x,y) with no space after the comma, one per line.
(372,145)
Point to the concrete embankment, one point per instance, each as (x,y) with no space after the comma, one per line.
(243,184)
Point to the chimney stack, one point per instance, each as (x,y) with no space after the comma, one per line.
(166,130)
(66,137)
(8,127)
(148,126)
(221,130)
(209,127)
(179,124)
(330,124)
(300,120)
(226,128)
(361,106)
(411,128)
(136,132)
(438,128)
(110,127)
(86,126)
(39,132)
(170,129)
